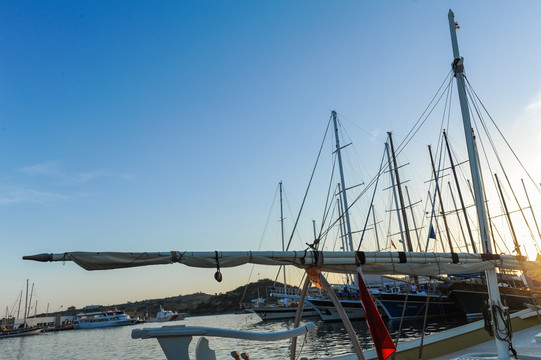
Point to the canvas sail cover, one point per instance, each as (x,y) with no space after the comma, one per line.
(400,263)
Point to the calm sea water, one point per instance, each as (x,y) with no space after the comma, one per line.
(116,343)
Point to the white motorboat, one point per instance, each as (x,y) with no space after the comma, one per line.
(166,315)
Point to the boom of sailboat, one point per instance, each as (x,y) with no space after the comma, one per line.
(372,262)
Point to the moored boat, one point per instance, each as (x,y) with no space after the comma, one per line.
(100,319)
(25,331)
(166,315)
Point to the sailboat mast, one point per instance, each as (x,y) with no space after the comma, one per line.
(453,168)
(282,232)
(458,217)
(19,307)
(500,330)
(401,197)
(26,301)
(341,222)
(413,218)
(437,186)
(508,216)
(30,300)
(344,197)
(375,227)
(395,196)
(458,67)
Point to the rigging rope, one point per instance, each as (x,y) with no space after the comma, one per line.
(448,78)
(470,93)
(371,202)
(309,183)
(503,137)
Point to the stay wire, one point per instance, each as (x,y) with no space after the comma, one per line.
(485,153)
(326,208)
(309,183)
(419,123)
(261,240)
(440,160)
(371,203)
(503,137)
(501,164)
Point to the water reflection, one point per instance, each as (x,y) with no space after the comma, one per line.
(329,339)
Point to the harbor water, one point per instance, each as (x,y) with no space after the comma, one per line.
(329,339)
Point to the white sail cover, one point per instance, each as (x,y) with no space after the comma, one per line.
(404,263)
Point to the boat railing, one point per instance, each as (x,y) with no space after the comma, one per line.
(175,339)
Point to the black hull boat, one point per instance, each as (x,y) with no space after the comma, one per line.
(416,306)
(472,298)
(8,333)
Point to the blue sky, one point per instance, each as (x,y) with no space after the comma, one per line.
(167,125)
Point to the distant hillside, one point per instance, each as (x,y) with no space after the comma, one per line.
(233,300)
(194,304)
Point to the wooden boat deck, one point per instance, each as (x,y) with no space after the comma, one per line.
(524,343)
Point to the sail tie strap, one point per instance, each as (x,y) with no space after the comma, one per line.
(175,257)
(360,258)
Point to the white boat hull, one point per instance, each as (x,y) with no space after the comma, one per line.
(278,313)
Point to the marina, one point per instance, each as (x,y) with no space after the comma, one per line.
(417,301)
(453,280)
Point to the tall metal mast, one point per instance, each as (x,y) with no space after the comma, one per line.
(282,231)
(341,222)
(395,196)
(492,281)
(458,217)
(26,302)
(438,191)
(508,217)
(413,218)
(401,197)
(344,197)
(375,228)
(453,168)
(19,307)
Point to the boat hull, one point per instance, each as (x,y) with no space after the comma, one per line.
(415,306)
(20,332)
(104,324)
(471,298)
(328,312)
(281,313)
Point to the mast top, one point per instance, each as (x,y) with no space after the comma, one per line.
(451,13)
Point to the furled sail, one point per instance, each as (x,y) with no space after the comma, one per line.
(404,263)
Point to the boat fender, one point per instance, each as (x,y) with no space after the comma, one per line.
(402,257)
(245,356)
(235,355)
